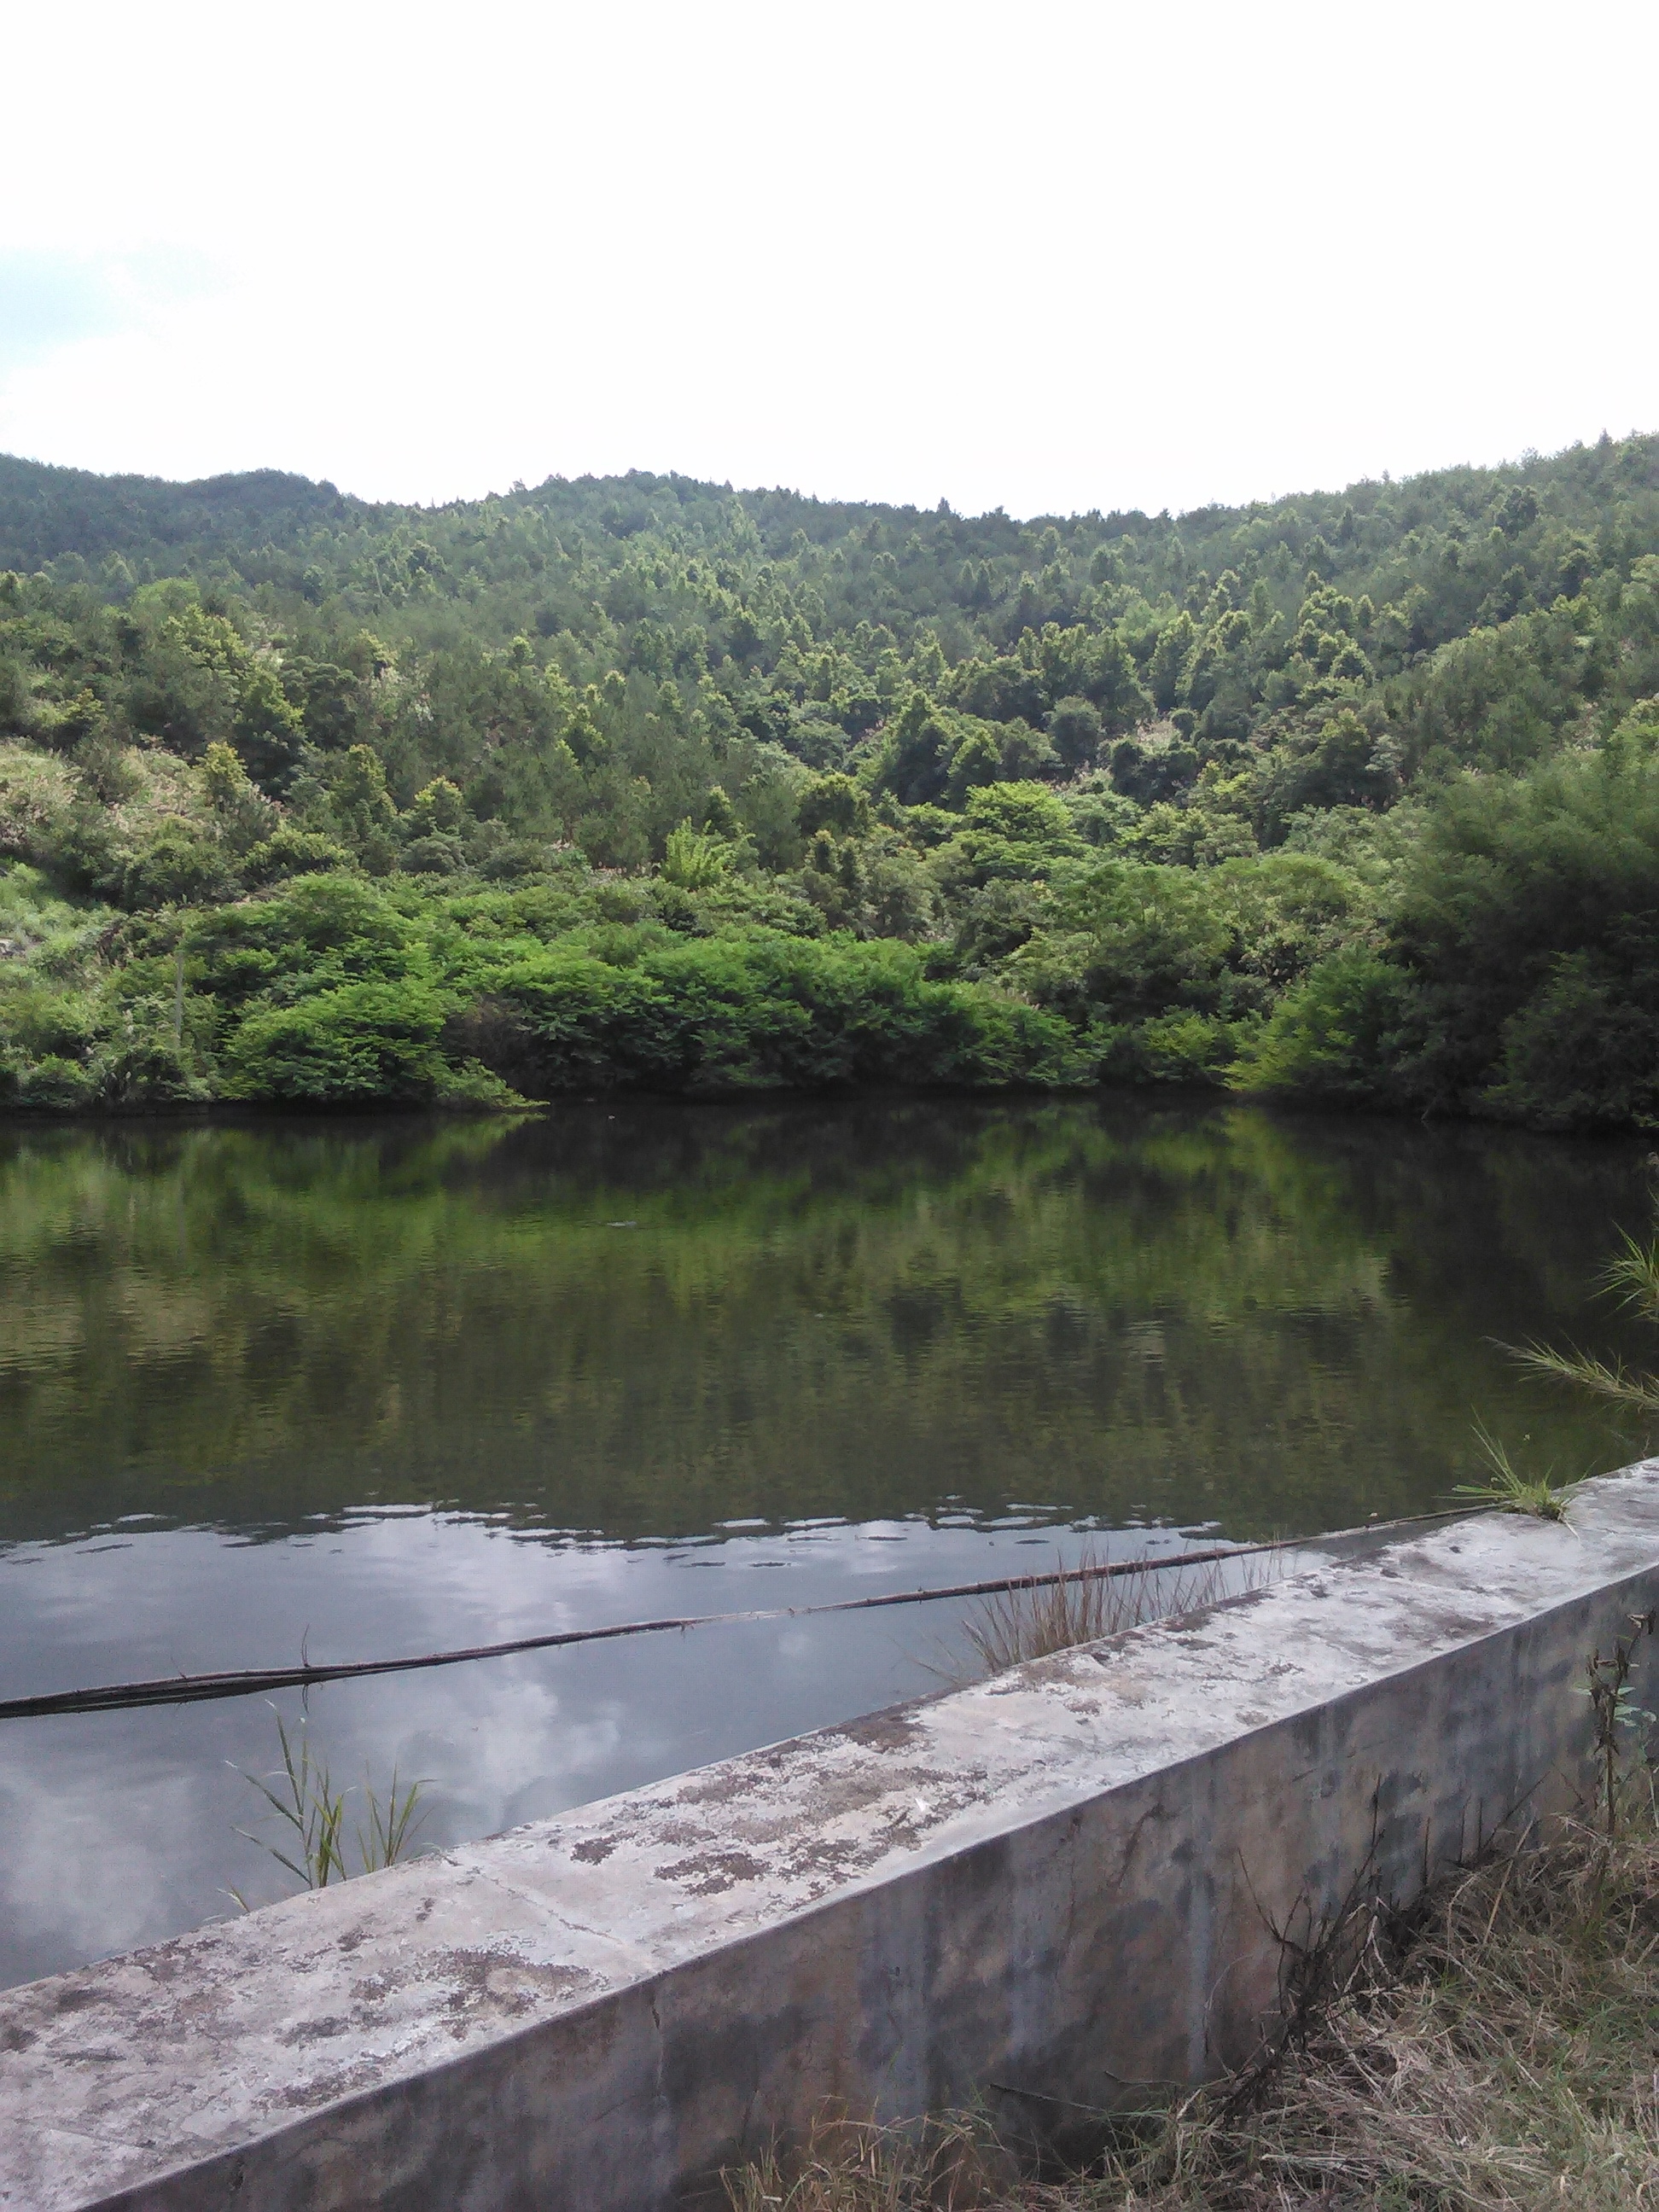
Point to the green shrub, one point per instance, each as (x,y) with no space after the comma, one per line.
(179,866)
(362,1043)
(143,1073)
(437,855)
(54,1085)
(41,1019)
(290,852)
(694,860)
(1173,1048)
(1335,1036)
(1583,1052)
(319,932)
(767,1011)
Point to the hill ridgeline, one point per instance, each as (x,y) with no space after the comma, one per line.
(1350,797)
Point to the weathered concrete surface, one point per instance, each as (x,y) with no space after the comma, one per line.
(1052,1887)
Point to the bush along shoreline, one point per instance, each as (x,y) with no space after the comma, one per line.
(1349,799)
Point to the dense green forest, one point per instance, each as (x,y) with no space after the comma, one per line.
(1352,797)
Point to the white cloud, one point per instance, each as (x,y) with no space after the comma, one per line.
(1069,256)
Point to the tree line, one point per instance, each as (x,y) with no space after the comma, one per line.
(638,780)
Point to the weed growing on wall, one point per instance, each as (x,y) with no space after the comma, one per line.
(313,1845)
(1019,1623)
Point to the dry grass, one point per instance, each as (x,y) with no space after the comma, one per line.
(948,2166)
(1017,1624)
(1497,2051)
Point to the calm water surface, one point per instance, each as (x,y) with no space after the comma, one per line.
(374,1387)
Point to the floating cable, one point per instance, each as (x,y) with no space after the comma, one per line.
(244,1682)
(189,1689)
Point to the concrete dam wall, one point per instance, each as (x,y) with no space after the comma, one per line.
(1044,1890)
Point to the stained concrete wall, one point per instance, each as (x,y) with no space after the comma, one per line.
(1047,1890)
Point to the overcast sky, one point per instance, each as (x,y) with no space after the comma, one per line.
(1045,257)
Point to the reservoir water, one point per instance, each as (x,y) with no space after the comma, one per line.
(362,1389)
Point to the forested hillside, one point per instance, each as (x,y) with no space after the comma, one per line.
(639,781)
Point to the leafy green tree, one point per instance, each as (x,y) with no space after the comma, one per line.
(915,765)
(1528,918)
(833,802)
(1074,732)
(1346,764)
(1168,665)
(437,810)
(694,859)
(1333,1039)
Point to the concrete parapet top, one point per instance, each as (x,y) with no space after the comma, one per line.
(175,2060)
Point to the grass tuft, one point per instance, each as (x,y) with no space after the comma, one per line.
(303,1795)
(1633,1279)
(1017,1624)
(1625,1385)
(1509,1490)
